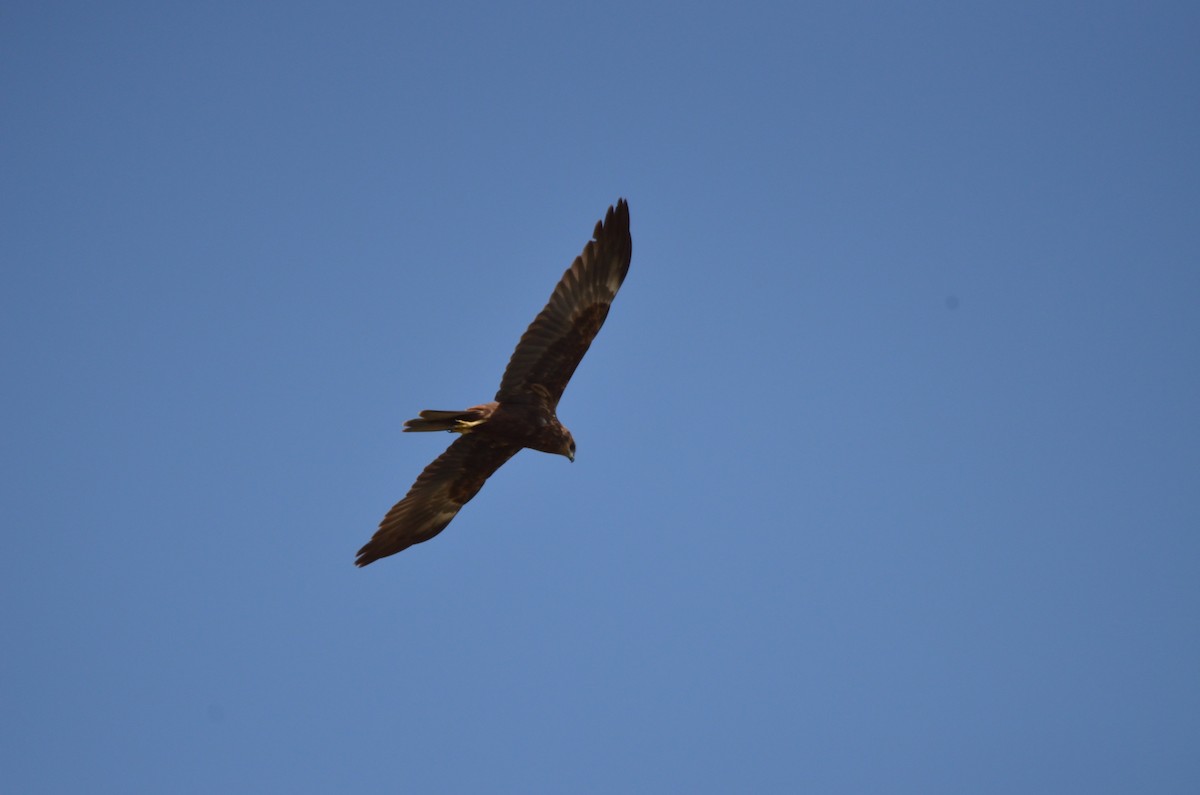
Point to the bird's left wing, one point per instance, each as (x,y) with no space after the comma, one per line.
(435,498)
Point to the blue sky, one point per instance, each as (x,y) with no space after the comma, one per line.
(887,476)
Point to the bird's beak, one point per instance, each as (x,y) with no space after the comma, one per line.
(571,457)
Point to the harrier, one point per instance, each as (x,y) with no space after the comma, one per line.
(523,413)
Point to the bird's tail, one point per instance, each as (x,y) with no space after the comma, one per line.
(460,421)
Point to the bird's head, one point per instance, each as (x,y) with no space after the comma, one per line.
(568,446)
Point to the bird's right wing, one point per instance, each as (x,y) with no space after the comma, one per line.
(557,339)
(435,498)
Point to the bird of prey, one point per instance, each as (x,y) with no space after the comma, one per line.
(523,413)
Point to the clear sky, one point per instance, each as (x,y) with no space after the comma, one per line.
(888,474)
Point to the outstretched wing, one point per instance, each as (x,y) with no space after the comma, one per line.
(559,336)
(446,485)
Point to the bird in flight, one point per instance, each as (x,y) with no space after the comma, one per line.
(523,413)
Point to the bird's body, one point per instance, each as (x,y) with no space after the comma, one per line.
(534,425)
(523,415)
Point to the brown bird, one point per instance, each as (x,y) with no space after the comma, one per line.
(523,413)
